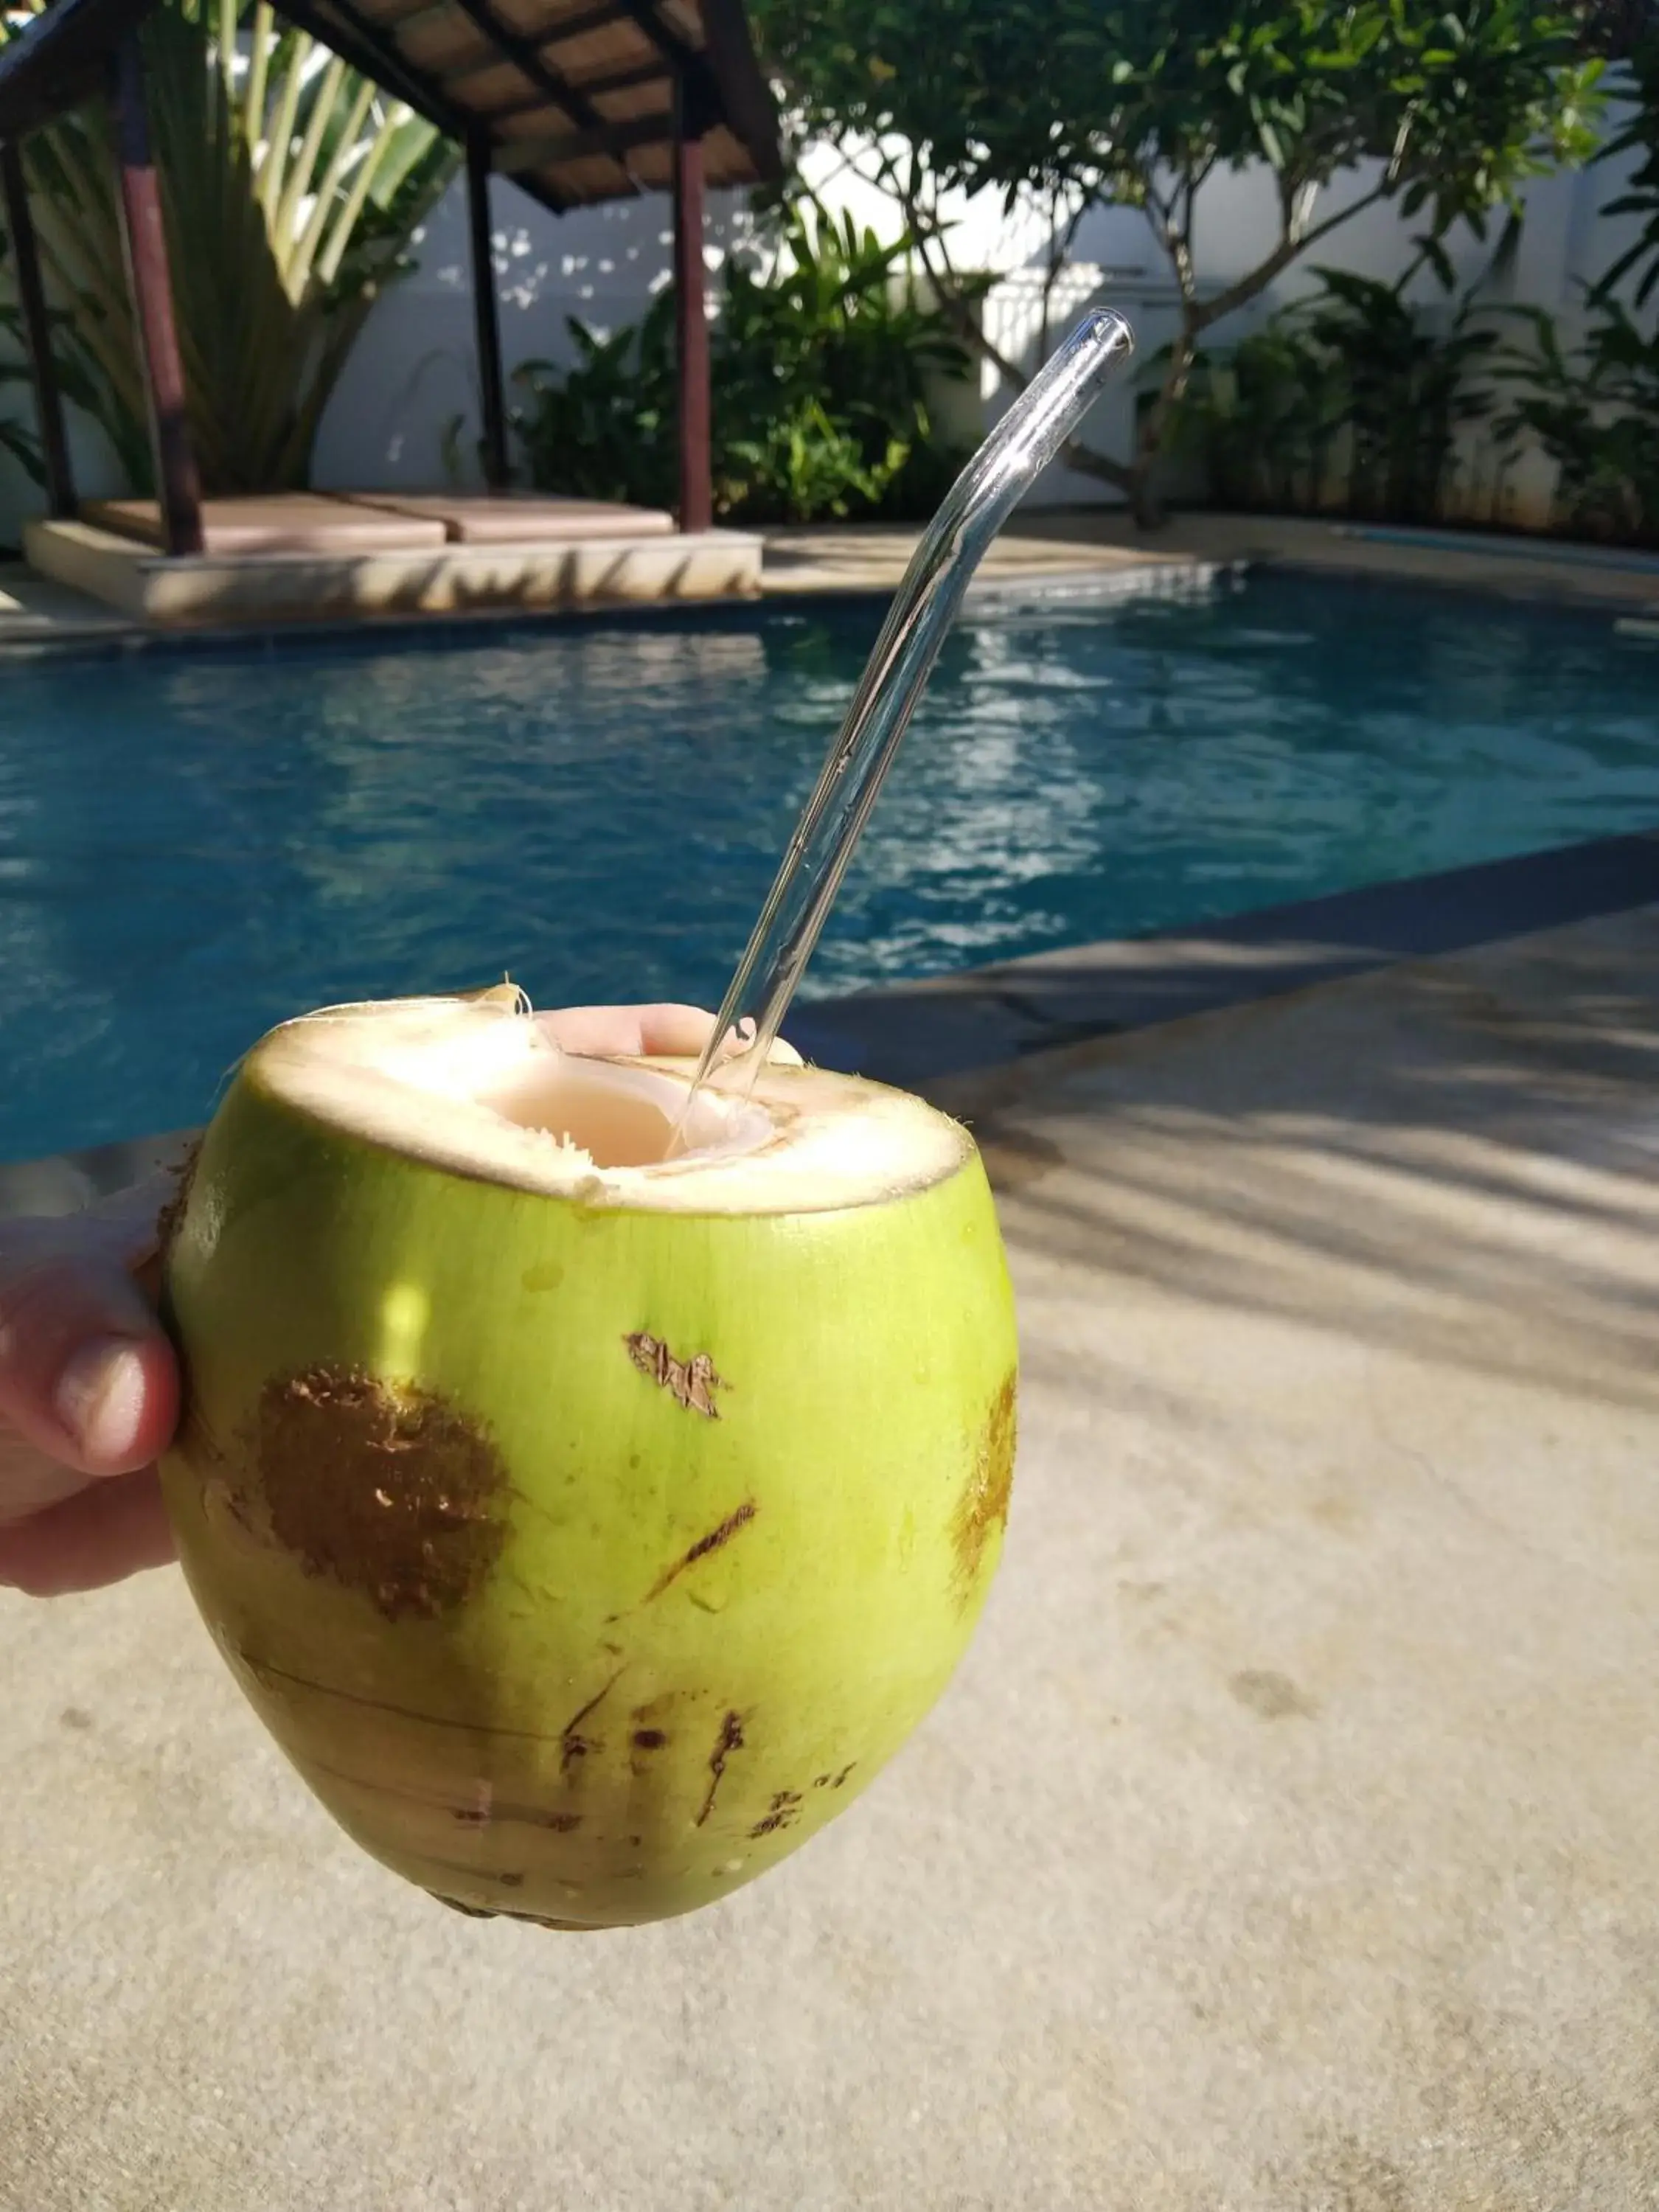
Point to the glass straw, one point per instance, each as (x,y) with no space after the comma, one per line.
(1021,445)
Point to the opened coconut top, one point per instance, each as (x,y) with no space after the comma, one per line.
(478,1086)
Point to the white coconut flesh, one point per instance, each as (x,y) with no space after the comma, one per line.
(480,1088)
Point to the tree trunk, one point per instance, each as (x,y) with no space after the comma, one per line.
(1144,502)
(1145,505)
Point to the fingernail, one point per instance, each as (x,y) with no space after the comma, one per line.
(100,1397)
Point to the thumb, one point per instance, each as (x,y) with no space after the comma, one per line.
(86,1375)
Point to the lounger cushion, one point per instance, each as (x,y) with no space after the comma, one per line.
(288,522)
(510,519)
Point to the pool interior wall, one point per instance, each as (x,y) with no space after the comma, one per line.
(196,842)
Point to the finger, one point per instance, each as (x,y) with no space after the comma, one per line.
(126,1223)
(665,1030)
(670,1031)
(87,1376)
(100,1535)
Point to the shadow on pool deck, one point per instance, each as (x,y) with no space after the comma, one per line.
(1415,1160)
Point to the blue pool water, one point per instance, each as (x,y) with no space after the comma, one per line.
(194,844)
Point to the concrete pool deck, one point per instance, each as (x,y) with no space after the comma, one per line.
(1098,551)
(1287,1843)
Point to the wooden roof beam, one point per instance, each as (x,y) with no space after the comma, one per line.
(524,55)
(667,41)
(378,55)
(628,79)
(602,18)
(701,103)
(514,156)
(427,11)
(721,80)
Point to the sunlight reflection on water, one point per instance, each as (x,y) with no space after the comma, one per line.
(194,844)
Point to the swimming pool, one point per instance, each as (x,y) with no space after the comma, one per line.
(194,843)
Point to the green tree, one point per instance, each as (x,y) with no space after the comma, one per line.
(1454,104)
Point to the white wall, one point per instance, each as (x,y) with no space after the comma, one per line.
(412,374)
(413,371)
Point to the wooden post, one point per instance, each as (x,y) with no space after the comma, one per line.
(485,313)
(37,335)
(696,503)
(144,244)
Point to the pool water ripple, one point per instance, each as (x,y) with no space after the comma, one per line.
(194,844)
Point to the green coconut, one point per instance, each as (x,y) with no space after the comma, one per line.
(589,1527)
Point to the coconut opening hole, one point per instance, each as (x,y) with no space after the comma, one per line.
(623,1117)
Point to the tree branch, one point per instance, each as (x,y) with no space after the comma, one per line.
(925,229)
(1403,139)
(1060,250)
(1101,466)
(1239,294)
(1174,238)
(1303,203)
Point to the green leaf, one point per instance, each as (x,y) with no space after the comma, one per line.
(823,375)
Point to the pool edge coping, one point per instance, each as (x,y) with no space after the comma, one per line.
(971,1035)
(967,1026)
(1156,576)
(1354,558)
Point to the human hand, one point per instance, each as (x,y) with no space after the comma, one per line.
(89,1396)
(88,1384)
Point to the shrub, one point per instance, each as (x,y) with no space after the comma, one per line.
(822,375)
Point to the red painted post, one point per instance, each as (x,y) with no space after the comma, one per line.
(37,335)
(144,242)
(696,504)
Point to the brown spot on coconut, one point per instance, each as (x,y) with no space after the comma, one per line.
(384,1488)
(690,1383)
(729,1740)
(739,1518)
(982,1507)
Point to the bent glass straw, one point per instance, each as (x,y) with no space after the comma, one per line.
(1021,445)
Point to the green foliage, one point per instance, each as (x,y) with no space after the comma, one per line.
(17,438)
(1353,401)
(1140,102)
(1258,421)
(1640,136)
(1356,402)
(1616,28)
(822,375)
(604,429)
(1594,409)
(291,188)
(1464,99)
(1407,391)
